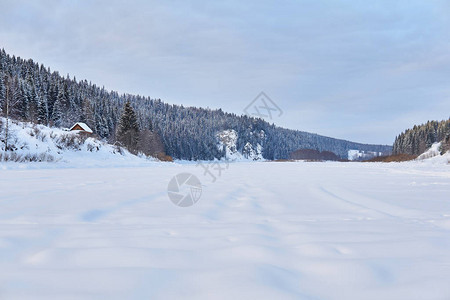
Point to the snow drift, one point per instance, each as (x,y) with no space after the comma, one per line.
(433,155)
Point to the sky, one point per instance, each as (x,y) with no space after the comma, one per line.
(358,70)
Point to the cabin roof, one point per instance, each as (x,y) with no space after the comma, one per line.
(83,126)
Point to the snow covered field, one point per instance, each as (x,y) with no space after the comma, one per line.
(261,231)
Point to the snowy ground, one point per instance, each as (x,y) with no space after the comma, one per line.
(261,231)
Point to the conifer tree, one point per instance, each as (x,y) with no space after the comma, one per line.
(60,106)
(2,93)
(58,113)
(128,130)
(42,111)
(11,104)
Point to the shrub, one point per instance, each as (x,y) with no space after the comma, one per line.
(15,157)
(164,157)
(393,158)
(445,146)
(69,141)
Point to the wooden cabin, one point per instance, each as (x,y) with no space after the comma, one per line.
(81,127)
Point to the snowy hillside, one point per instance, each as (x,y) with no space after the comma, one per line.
(32,142)
(433,155)
(227,139)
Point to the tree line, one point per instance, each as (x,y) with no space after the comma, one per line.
(416,140)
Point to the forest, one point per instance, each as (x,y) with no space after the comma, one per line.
(32,92)
(416,140)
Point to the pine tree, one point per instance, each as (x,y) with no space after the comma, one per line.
(128,130)
(2,93)
(11,103)
(22,104)
(42,111)
(60,106)
(52,95)
(87,115)
(32,105)
(58,113)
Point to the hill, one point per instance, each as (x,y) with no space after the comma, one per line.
(417,140)
(45,97)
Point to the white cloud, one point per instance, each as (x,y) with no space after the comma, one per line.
(348,64)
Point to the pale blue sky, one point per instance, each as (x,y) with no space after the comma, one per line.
(358,70)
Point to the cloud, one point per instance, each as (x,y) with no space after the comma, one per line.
(331,66)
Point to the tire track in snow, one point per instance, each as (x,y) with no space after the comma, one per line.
(359,201)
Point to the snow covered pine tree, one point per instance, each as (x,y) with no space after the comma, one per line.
(128,129)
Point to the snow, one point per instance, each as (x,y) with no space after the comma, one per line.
(362,155)
(228,139)
(262,230)
(431,152)
(433,156)
(84,126)
(35,140)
